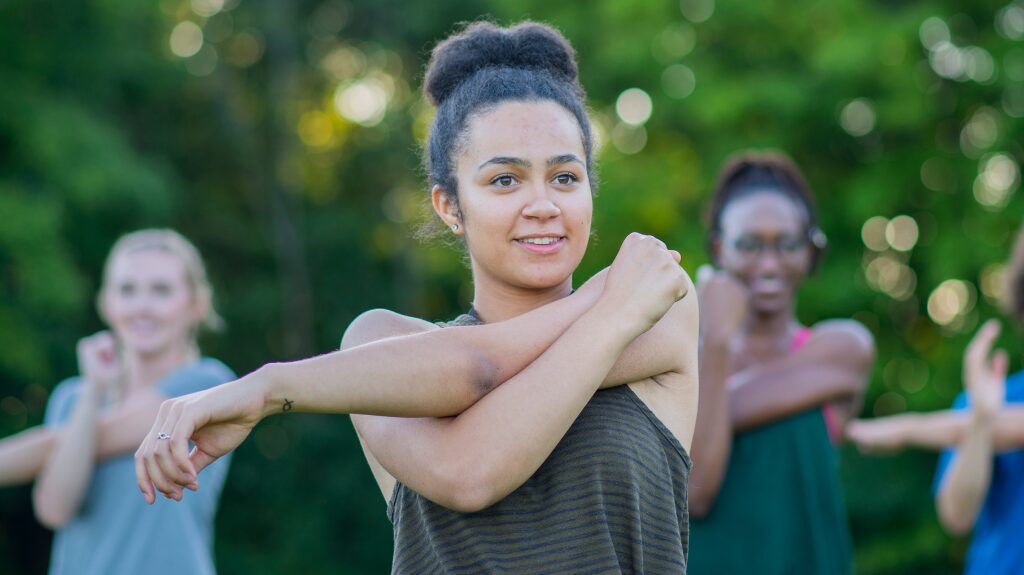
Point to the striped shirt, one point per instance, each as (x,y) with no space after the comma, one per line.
(611,498)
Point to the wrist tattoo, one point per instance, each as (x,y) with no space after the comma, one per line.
(287,404)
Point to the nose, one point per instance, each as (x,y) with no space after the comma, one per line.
(768,261)
(540,205)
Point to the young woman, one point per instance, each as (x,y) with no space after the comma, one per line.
(154,297)
(765,494)
(576,462)
(979,483)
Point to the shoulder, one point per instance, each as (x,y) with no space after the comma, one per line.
(684,315)
(844,338)
(203,374)
(379,323)
(61,400)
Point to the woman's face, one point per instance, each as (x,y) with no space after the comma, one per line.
(764,245)
(524,194)
(149,303)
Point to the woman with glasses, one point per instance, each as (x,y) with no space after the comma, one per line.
(774,394)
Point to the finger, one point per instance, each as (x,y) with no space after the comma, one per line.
(675,255)
(171,468)
(200,459)
(150,459)
(142,478)
(982,342)
(1000,362)
(183,430)
(162,484)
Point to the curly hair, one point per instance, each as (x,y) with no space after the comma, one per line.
(484,65)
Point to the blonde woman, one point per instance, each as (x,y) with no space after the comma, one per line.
(155,296)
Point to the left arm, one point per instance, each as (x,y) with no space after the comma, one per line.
(832,366)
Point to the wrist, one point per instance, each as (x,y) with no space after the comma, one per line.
(614,320)
(268,388)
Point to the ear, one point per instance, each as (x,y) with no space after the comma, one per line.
(101,306)
(446,209)
(200,307)
(716,251)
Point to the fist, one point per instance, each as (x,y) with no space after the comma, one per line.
(723,304)
(984,372)
(644,281)
(98,362)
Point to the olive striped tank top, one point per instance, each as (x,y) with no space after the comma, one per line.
(611,498)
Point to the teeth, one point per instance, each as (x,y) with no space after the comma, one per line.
(540,241)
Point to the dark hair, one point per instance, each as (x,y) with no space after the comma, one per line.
(484,65)
(1013,292)
(748,172)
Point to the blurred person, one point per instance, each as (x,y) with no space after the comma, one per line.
(155,296)
(979,481)
(764,493)
(543,430)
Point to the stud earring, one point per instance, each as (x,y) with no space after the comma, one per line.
(455,227)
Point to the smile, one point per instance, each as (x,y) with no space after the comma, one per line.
(541,244)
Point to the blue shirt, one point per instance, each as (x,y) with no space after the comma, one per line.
(996,547)
(115,532)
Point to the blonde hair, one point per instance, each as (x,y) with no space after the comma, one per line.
(170,242)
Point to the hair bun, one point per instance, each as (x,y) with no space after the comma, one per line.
(482,44)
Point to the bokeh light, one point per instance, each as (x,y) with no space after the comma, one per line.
(998,177)
(697,11)
(858,117)
(901,233)
(949,301)
(207,8)
(634,106)
(363,102)
(678,81)
(873,233)
(186,39)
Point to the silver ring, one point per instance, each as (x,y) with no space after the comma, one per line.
(162,435)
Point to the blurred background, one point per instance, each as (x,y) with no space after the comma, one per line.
(284,139)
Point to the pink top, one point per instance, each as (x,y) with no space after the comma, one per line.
(828,410)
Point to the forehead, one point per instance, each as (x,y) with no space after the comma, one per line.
(764,211)
(538,129)
(147,264)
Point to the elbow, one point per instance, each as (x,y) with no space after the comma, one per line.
(49,512)
(953,521)
(465,487)
(700,501)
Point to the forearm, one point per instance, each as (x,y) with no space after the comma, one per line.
(22,456)
(967,480)
(712,438)
(61,485)
(759,397)
(473,460)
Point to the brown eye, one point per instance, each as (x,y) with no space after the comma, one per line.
(566,179)
(504,181)
(126,289)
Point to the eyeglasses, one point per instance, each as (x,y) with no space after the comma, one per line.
(785,246)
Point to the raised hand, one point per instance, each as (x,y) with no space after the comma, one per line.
(216,420)
(724,304)
(985,377)
(643,282)
(98,361)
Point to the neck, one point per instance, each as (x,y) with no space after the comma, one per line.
(144,371)
(495,301)
(778,326)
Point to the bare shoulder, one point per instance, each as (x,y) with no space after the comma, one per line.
(844,339)
(377,324)
(683,318)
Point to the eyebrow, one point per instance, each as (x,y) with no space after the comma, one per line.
(552,161)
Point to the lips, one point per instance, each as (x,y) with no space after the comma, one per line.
(767,286)
(541,244)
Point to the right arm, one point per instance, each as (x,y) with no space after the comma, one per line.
(723,304)
(966,482)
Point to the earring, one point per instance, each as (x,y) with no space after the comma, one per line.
(455,227)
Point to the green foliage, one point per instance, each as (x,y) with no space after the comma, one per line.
(306,211)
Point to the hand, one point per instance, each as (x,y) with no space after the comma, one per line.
(216,420)
(643,282)
(98,362)
(881,435)
(985,379)
(723,305)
